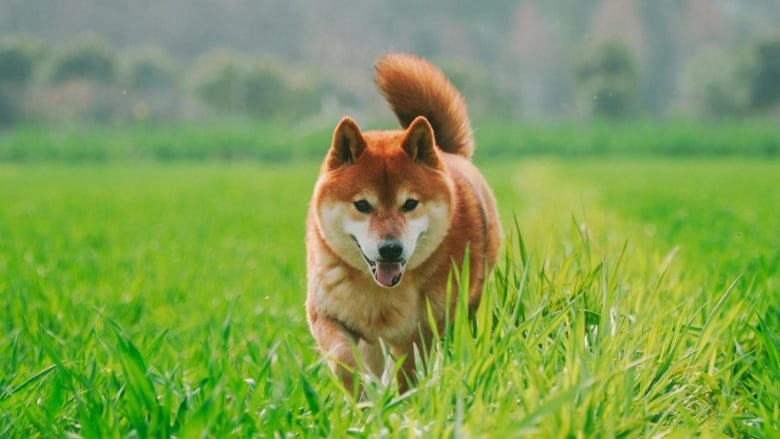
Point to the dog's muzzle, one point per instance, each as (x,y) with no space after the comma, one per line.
(388,270)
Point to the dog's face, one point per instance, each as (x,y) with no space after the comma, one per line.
(383,199)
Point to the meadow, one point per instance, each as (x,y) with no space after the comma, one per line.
(635,298)
(279,141)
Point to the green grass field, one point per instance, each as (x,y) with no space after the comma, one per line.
(236,140)
(637,298)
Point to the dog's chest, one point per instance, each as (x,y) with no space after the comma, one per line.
(392,314)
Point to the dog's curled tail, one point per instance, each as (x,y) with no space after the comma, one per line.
(414,87)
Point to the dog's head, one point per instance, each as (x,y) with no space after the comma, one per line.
(384,199)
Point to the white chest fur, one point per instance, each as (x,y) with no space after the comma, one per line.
(390,314)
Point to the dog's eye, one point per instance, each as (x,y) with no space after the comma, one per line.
(409,205)
(362,206)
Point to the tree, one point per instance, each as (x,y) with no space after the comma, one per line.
(715,80)
(237,84)
(765,77)
(88,57)
(216,78)
(19,55)
(607,80)
(149,68)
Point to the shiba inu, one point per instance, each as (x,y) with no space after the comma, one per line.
(391,214)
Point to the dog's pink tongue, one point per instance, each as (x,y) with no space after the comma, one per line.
(389,273)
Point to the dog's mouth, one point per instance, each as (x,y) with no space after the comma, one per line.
(386,273)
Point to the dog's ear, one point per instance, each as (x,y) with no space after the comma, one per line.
(347,145)
(420,144)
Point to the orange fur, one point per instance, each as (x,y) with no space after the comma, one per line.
(414,87)
(427,164)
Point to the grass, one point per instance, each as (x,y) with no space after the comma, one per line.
(635,299)
(266,141)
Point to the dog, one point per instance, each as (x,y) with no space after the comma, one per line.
(391,214)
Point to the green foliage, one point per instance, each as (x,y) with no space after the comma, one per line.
(131,289)
(264,89)
(716,80)
(729,82)
(151,92)
(233,83)
(217,79)
(270,141)
(10,107)
(19,55)
(633,299)
(226,141)
(765,78)
(150,69)
(606,79)
(676,138)
(723,231)
(87,57)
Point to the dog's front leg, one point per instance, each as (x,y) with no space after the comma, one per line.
(337,343)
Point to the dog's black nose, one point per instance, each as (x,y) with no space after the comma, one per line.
(391,250)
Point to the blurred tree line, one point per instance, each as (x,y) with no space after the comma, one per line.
(611,59)
(86,79)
